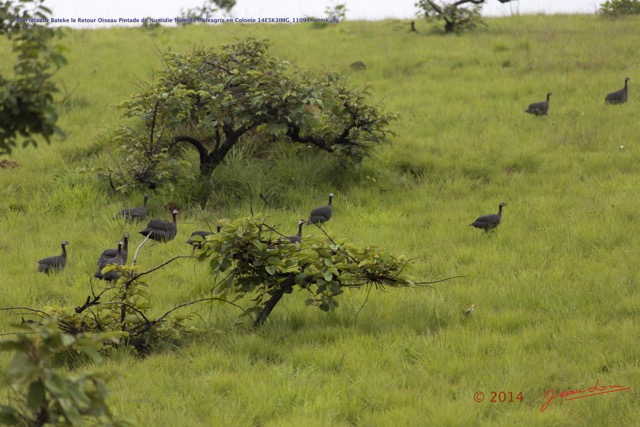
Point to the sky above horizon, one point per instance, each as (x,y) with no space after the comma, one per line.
(356,9)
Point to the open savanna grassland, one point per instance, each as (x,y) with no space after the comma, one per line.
(555,286)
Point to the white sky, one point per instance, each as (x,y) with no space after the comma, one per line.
(356,9)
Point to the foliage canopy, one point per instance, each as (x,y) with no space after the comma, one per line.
(26,98)
(43,394)
(212,99)
(456,17)
(248,258)
(620,7)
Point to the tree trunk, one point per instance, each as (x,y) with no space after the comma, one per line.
(285,287)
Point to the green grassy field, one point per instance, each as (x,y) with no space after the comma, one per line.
(555,286)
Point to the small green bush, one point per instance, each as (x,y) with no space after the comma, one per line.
(620,7)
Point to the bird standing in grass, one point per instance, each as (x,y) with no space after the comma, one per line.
(111,253)
(469,311)
(539,108)
(198,238)
(619,96)
(297,238)
(112,275)
(321,214)
(135,214)
(162,231)
(489,222)
(54,263)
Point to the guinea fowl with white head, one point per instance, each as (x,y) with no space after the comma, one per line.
(54,263)
(111,253)
(489,222)
(162,231)
(321,214)
(297,238)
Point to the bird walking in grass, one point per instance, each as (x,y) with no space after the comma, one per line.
(619,96)
(54,263)
(469,311)
(539,108)
(321,214)
(135,214)
(297,238)
(111,253)
(162,231)
(111,275)
(198,238)
(489,222)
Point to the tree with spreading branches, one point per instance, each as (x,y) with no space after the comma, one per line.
(250,257)
(215,98)
(458,16)
(26,98)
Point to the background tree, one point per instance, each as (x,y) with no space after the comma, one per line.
(620,7)
(212,99)
(207,10)
(455,16)
(26,98)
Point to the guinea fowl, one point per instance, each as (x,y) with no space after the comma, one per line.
(111,253)
(297,238)
(619,96)
(198,237)
(54,263)
(111,275)
(539,108)
(135,214)
(161,231)
(489,222)
(321,214)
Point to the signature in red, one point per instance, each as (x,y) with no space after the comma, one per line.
(579,394)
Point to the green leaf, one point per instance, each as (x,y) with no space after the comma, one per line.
(271,269)
(8,416)
(56,384)
(35,396)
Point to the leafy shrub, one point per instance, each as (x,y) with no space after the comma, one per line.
(249,257)
(620,7)
(43,394)
(26,100)
(215,99)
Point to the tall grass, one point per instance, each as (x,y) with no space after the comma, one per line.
(555,286)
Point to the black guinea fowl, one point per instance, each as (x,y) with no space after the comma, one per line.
(135,214)
(539,108)
(111,253)
(297,238)
(54,263)
(619,96)
(198,238)
(111,275)
(161,231)
(489,222)
(321,214)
